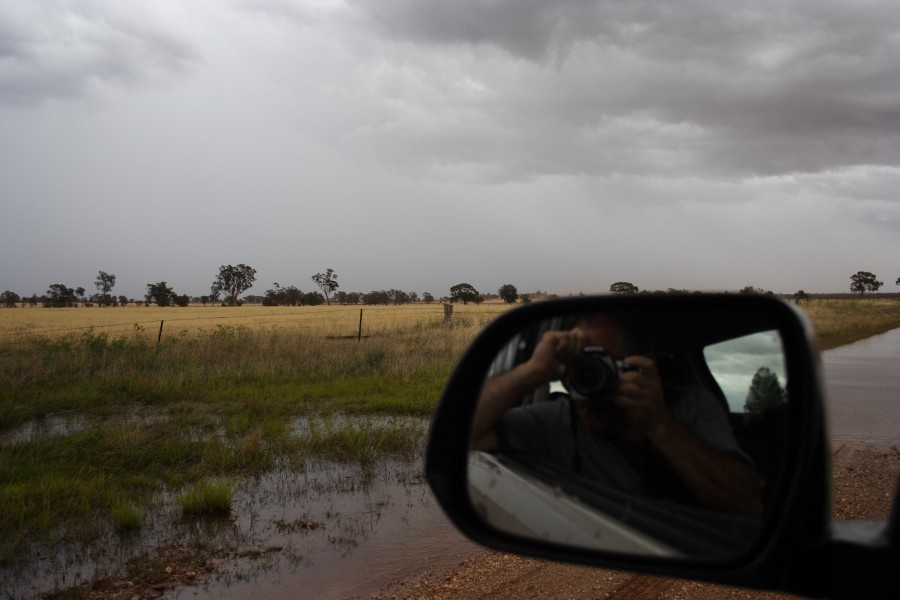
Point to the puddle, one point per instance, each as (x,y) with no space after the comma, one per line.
(41,429)
(330,531)
(376,528)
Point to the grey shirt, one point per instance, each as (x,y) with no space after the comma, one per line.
(544,430)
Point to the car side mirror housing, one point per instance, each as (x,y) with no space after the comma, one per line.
(558,466)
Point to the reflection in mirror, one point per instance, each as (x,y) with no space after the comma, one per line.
(644,433)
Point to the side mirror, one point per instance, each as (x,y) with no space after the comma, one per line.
(564,466)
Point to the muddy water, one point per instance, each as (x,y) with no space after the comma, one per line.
(375,529)
(862,383)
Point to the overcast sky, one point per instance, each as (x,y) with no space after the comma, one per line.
(555,145)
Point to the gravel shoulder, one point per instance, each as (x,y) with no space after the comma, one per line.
(864,481)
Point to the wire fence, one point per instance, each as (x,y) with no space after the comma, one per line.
(27,325)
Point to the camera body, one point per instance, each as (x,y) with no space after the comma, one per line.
(594,378)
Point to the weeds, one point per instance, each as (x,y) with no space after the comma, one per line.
(207,498)
(126,517)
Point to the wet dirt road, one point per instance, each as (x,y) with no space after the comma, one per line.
(862,383)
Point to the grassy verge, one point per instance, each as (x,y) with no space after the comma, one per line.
(198,409)
(841,322)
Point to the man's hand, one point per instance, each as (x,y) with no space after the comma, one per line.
(506,390)
(554,352)
(640,396)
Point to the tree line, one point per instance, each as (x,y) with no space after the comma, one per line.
(861,282)
(233,280)
(229,283)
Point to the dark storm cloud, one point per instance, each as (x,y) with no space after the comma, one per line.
(62,49)
(698,88)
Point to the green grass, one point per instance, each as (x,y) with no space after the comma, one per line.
(208,408)
(841,322)
(91,374)
(207,498)
(126,516)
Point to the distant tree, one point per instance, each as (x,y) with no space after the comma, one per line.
(399,297)
(427,298)
(749,290)
(60,296)
(800,296)
(182,300)
(347,297)
(526,299)
(272,296)
(377,297)
(292,296)
(508,293)
(8,299)
(104,284)
(159,293)
(327,282)
(313,299)
(765,392)
(79,291)
(282,296)
(232,281)
(465,293)
(623,287)
(863,281)
(123,300)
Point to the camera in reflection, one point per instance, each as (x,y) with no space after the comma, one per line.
(594,378)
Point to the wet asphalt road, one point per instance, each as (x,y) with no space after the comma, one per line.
(862,383)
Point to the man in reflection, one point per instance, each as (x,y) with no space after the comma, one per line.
(646,438)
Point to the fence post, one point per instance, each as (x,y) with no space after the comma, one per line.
(359,335)
(159,337)
(448,311)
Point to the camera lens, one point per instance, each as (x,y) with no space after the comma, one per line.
(594,377)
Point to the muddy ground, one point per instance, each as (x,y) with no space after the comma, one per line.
(864,482)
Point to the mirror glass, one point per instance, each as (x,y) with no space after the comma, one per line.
(653,433)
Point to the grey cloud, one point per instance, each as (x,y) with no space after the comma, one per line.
(720,90)
(61,49)
(527,28)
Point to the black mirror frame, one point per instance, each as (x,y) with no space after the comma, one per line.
(795,535)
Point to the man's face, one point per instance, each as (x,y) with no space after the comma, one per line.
(602,331)
(605,332)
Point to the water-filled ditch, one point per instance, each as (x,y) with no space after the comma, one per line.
(331,530)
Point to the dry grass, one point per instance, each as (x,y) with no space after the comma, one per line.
(837,322)
(21,324)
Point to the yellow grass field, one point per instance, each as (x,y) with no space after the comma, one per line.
(19,324)
(837,322)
